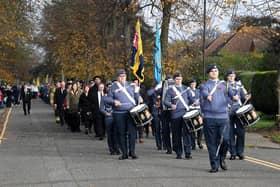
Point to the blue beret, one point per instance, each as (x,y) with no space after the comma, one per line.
(211,67)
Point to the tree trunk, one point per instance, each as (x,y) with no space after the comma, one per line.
(165,28)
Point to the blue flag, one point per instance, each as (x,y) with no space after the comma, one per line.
(157,56)
(137,59)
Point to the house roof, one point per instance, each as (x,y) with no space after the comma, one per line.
(244,40)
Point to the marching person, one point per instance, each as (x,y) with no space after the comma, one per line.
(214,106)
(59,98)
(140,129)
(194,102)
(85,110)
(165,116)
(156,101)
(177,99)
(236,146)
(98,117)
(123,97)
(111,129)
(93,97)
(25,96)
(72,104)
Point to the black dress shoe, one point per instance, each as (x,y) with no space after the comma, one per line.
(241,157)
(188,157)
(200,146)
(223,165)
(232,157)
(178,157)
(101,138)
(169,152)
(213,170)
(134,156)
(117,152)
(123,157)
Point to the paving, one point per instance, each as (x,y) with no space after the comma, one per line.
(39,152)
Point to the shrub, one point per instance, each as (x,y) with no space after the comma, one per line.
(264,92)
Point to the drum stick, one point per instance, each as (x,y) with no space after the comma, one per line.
(221,141)
(245,101)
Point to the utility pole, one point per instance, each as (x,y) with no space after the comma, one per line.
(203,37)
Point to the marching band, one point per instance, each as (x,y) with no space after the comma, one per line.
(179,114)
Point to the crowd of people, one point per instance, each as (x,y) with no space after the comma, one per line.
(12,95)
(105,109)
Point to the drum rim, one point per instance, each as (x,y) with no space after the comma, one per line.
(248,109)
(197,112)
(139,107)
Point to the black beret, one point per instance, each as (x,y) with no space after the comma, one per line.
(177,74)
(230,71)
(211,67)
(95,77)
(120,71)
(168,76)
(192,80)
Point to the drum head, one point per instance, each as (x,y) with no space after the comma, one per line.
(243,109)
(137,108)
(191,113)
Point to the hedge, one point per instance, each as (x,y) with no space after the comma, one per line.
(263,87)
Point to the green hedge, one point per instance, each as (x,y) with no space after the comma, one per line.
(263,86)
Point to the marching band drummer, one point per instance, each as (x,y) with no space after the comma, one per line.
(177,99)
(214,106)
(194,95)
(123,96)
(236,145)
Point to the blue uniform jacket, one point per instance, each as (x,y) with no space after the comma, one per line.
(116,93)
(218,108)
(171,98)
(237,90)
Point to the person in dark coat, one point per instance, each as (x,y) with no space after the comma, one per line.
(25,96)
(59,98)
(85,110)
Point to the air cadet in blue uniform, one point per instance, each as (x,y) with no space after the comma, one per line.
(155,94)
(165,116)
(214,106)
(194,102)
(236,146)
(123,97)
(111,129)
(177,99)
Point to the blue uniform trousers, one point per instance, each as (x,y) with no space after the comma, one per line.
(214,130)
(126,131)
(112,135)
(179,133)
(158,130)
(166,120)
(237,137)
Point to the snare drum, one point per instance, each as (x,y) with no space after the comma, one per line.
(141,115)
(193,120)
(247,115)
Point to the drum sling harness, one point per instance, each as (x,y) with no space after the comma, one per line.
(126,93)
(180,97)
